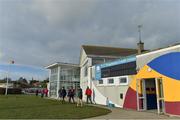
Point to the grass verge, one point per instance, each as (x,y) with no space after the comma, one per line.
(32,107)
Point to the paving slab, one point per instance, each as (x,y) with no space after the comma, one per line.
(119,113)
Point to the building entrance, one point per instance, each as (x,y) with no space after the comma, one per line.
(150,94)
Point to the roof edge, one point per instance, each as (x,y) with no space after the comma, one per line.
(61,63)
(106,47)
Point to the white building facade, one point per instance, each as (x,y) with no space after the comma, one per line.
(63,75)
(93,55)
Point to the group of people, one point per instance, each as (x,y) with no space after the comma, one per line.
(62,94)
(44,92)
(71,93)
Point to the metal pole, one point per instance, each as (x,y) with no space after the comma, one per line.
(8,74)
(139,30)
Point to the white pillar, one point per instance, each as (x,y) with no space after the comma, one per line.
(89,72)
(58,80)
(157,95)
(49,95)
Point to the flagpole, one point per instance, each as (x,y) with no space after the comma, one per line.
(8,76)
(7,81)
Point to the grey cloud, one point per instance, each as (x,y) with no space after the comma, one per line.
(40,32)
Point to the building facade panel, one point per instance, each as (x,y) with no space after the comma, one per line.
(63,75)
(161,77)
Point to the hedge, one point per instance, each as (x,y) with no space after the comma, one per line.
(11,90)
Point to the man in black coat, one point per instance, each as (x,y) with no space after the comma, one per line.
(63,93)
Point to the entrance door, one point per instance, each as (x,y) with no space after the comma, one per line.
(151,94)
(141,94)
(160,96)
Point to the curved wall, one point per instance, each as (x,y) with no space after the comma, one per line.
(167,67)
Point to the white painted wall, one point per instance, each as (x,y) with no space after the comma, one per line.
(116,81)
(112,92)
(84,80)
(97,96)
(144,59)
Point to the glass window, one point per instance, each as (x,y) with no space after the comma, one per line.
(85,71)
(97,61)
(54,71)
(119,70)
(123,81)
(110,81)
(121,95)
(100,81)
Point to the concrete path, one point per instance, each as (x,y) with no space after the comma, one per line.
(118,113)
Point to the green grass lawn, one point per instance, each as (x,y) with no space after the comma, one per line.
(30,107)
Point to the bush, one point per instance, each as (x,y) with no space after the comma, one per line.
(10,90)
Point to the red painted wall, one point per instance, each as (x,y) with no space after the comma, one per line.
(172,108)
(130,101)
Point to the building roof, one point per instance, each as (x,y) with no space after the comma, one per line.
(61,64)
(159,49)
(108,51)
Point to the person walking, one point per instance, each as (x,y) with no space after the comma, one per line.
(37,91)
(80,95)
(88,94)
(42,93)
(59,93)
(46,92)
(71,94)
(63,93)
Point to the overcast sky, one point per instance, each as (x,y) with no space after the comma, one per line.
(16,71)
(40,32)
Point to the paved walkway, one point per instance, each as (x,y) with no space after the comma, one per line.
(118,113)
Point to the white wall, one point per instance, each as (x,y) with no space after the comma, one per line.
(112,92)
(144,59)
(97,96)
(85,80)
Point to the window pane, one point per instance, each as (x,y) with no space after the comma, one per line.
(85,71)
(110,81)
(100,81)
(123,80)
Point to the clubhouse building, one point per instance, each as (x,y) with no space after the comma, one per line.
(62,75)
(127,78)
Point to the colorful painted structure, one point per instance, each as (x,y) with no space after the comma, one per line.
(113,77)
(157,84)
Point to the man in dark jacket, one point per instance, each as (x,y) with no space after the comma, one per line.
(80,95)
(71,93)
(63,93)
(59,93)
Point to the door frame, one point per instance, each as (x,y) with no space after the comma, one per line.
(160,96)
(140,84)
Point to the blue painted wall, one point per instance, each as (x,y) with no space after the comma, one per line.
(168,65)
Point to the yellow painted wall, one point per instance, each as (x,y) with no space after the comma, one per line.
(171,86)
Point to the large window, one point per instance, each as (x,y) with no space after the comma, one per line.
(119,70)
